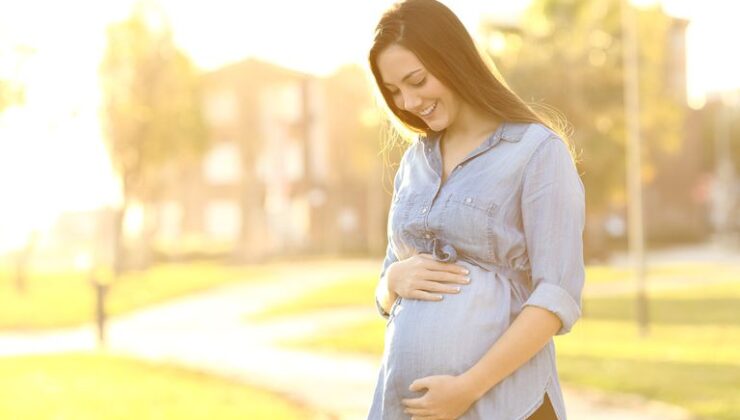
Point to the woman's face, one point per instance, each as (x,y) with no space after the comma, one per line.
(416,90)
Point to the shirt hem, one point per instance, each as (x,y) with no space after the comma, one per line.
(534,407)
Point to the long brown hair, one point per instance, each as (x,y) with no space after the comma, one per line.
(440,41)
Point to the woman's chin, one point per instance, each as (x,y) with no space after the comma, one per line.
(436,124)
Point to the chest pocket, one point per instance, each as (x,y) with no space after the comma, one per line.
(470,220)
(474,203)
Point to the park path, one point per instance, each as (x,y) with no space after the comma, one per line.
(707,254)
(209,332)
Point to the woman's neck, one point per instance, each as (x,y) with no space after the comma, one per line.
(470,126)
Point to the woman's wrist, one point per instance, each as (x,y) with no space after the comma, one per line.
(473,386)
(389,285)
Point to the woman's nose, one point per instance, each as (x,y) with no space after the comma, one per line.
(411,101)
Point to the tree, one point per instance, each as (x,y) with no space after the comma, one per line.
(10,94)
(570,56)
(12,91)
(152,108)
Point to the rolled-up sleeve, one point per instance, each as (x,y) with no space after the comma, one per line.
(390,255)
(553,218)
(390,258)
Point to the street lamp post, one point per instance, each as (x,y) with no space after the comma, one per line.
(634,164)
(85,265)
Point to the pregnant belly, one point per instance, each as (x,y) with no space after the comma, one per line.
(446,337)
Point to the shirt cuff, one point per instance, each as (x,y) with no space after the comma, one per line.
(382,312)
(558,301)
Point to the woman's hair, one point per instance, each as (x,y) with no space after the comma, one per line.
(440,41)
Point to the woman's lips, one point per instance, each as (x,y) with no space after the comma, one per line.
(429,110)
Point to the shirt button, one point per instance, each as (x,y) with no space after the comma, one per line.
(468,200)
(424,210)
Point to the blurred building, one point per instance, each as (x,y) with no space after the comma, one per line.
(274,180)
(76,240)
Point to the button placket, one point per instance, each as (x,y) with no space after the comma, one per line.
(432,155)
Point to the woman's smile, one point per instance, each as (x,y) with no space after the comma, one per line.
(428,111)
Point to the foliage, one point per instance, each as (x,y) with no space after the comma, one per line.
(12,91)
(570,57)
(152,100)
(10,94)
(152,112)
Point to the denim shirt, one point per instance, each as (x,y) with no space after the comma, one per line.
(513,207)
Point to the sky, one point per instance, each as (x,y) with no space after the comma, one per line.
(54,146)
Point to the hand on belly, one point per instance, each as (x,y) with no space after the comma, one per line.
(447,337)
(422,277)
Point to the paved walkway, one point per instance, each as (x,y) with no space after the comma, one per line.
(701,253)
(709,254)
(208,332)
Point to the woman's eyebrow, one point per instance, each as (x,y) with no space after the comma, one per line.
(405,77)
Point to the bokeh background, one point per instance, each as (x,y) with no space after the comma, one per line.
(195,197)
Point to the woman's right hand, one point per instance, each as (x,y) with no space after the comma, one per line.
(424,278)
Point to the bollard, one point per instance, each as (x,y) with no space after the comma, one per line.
(101,290)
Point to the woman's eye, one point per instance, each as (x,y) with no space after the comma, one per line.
(420,83)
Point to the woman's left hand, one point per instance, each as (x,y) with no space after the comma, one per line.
(447,397)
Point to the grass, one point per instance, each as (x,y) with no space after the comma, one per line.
(360,289)
(356,291)
(103,387)
(66,299)
(691,357)
(605,273)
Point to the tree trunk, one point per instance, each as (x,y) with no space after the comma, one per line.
(23,263)
(148,236)
(119,247)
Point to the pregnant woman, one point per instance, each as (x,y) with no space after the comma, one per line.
(485,257)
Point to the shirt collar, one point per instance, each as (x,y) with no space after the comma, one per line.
(506,131)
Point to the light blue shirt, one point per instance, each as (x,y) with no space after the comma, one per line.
(513,213)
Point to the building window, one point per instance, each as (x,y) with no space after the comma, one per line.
(223,220)
(221,107)
(222,164)
(170,220)
(289,103)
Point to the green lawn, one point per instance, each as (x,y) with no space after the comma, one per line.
(691,357)
(360,289)
(605,273)
(104,387)
(66,299)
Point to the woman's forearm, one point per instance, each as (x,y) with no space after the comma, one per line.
(527,335)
